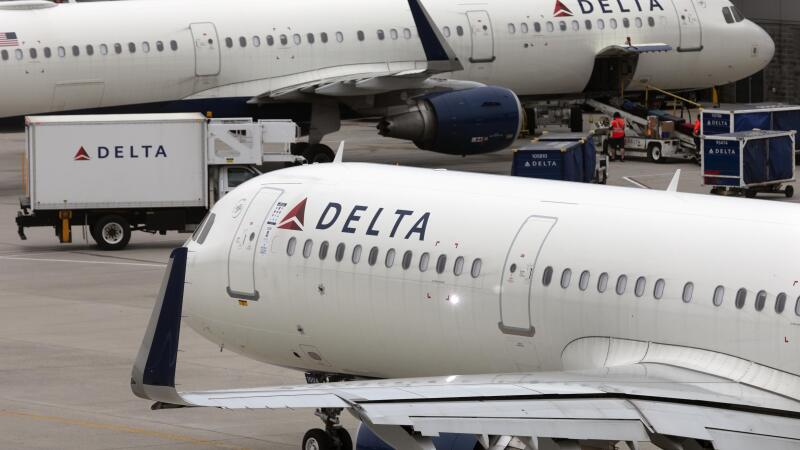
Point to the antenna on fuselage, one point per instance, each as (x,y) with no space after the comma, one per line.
(339,153)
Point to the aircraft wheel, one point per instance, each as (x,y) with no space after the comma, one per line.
(345,441)
(112,232)
(316,439)
(299,148)
(789,191)
(318,153)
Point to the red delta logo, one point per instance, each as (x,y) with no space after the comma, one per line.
(293,220)
(561,10)
(81,155)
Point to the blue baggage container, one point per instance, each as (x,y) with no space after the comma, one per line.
(550,160)
(750,159)
(761,116)
(588,149)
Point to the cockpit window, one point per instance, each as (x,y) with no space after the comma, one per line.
(726,11)
(204,229)
(732,14)
(737,15)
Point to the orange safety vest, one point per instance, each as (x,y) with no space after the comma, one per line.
(618,128)
(697,127)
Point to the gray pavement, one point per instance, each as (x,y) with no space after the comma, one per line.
(72,317)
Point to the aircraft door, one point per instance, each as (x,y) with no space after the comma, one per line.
(690,26)
(515,288)
(242,253)
(206,49)
(482,36)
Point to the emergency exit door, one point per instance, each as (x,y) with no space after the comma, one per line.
(690,26)
(206,49)
(515,289)
(482,36)
(242,253)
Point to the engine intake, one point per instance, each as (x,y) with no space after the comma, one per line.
(471,121)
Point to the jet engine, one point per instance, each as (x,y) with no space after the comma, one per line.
(471,121)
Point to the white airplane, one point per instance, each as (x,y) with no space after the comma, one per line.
(513,312)
(424,73)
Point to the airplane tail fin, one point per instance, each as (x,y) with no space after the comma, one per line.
(440,55)
(153,374)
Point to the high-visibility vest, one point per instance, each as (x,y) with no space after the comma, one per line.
(697,127)
(618,128)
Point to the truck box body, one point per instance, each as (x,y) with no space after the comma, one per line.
(119,161)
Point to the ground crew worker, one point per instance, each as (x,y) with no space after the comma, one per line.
(696,133)
(617,139)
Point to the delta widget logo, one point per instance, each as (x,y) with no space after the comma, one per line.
(561,10)
(81,155)
(294,219)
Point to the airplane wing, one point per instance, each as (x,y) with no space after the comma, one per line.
(675,408)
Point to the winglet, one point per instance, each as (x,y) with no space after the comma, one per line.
(153,374)
(673,185)
(438,52)
(339,153)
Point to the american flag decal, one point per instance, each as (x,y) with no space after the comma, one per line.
(8,40)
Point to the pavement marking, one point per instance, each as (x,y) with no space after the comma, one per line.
(116,263)
(636,183)
(119,428)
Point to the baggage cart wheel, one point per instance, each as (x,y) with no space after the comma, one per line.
(655,153)
(789,191)
(750,193)
(112,232)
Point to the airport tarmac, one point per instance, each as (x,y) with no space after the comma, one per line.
(72,318)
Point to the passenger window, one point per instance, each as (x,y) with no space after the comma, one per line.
(291,246)
(576,25)
(550,27)
(622,284)
(638,22)
(4,55)
(626,22)
(393,34)
(146,47)
(256,41)
(562,25)
(323,250)
(284,40)
(797,307)
(423,262)
(441,264)
(583,282)
(719,295)
(406,33)
(780,303)
(381,35)
(458,267)
(33,53)
(89,50)
(445,32)
(296,38)
(159,46)
(547,276)
(761,300)
(658,290)
(62,52)
(339,36)
(118,48)
(641,285)
(688,290)
(741,298)
(131,47)
(389,260)
(476,268)
(601,24)
(173,45)
(323,37)
(612,23)
(602,283)
(407,257)
(523,27)
(373,256)
(76,51)
(339,256)
(588,24)
(242,41)
(270,40)
(460,30)
(103,49)
(356,256)
(511,28)
(360,35)
(566,277)
(310,38)
(651,21)
(18,54)
(206,228)
(307,248)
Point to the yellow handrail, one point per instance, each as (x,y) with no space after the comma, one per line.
(670,94)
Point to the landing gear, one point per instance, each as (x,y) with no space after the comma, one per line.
(313,153)
(334,437)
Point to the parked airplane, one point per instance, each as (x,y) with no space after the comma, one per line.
(513,317)
(309,59)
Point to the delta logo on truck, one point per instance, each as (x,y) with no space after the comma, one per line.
(123,152)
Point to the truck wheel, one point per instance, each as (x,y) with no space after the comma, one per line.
(789,191)
(654,152)
(112,232)
(750,193)
(318,153)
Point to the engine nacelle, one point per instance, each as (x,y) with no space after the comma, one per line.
(367,440)
(471,121)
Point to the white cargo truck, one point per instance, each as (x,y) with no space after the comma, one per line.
(114,174)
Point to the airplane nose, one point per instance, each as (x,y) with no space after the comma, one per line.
(766,46)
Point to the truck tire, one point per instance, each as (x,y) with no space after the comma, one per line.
(654,152)
(112,232)
(318,153)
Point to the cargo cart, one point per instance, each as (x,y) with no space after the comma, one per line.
(564,160)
